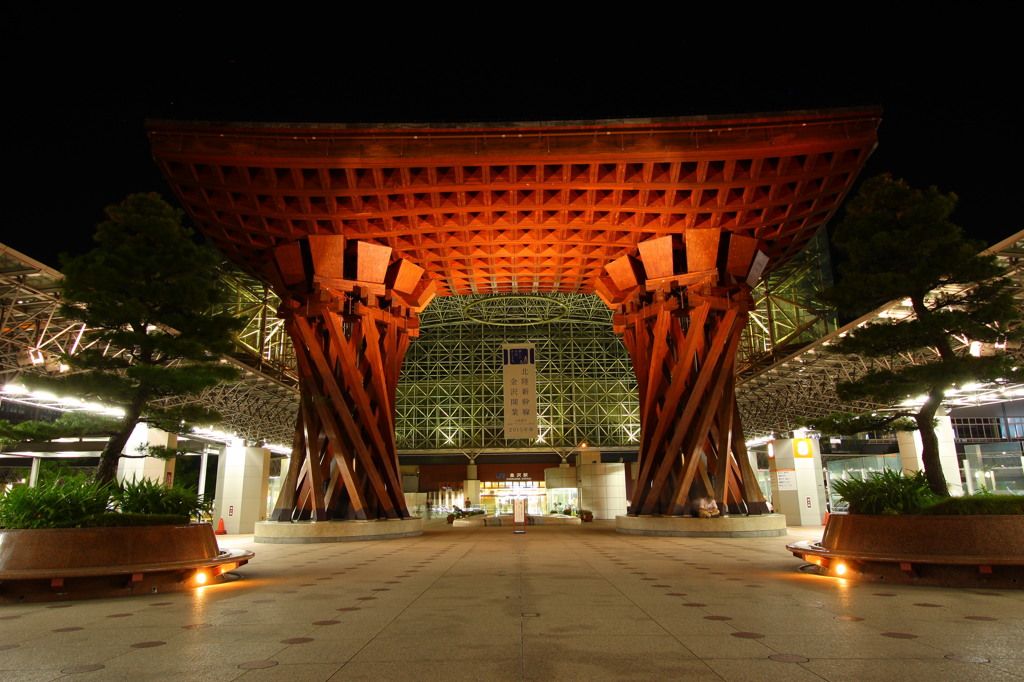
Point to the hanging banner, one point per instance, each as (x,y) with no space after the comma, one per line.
(520,374)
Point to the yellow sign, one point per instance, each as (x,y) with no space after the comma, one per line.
(802,447)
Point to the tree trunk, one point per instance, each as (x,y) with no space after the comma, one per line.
(930,443)
(106,471)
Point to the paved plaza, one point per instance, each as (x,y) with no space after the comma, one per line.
(558,603)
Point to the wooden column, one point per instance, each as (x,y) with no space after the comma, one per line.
(350,312)
(681,308)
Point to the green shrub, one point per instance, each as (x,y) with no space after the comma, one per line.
(149,497)
(977,505)
(57,502)
(886,492)
(119,520)
(67,500)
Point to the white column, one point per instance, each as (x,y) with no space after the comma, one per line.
(910,453)
(602,488)
(471,491)
(471,486)
(798,489)
(33,476)
(275,483)
(153,468)
(202,471)
(242,477)
(973,469)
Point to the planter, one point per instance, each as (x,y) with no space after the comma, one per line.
(978,551)
(306,532)
(1000,539)
(753,526)
(76,563)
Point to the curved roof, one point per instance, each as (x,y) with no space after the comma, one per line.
(515,207)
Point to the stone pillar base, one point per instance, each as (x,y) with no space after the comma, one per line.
(764,526)
(304,532)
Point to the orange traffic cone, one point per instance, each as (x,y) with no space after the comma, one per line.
(220,528)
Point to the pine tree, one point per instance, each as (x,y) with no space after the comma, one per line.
(149,292)
(901,245)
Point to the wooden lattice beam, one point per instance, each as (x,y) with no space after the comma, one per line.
(510,208)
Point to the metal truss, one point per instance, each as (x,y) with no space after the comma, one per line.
(257,407)
(449,396)
(450,393)
(33,335)
(803,384)
(261,405)
(785,315)
(262,344)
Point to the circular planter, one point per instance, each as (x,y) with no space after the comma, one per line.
(76,563)
(304,532)
(997,538)
(753,526)
(963,551)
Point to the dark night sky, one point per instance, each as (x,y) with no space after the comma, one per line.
(80,88)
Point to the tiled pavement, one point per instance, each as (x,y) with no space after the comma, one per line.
(558,603)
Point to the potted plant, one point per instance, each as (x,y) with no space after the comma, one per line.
(898,530)
(585,515)
(73,536)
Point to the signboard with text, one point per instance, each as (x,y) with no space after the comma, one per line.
(519,515)
(519,361)
(787,479)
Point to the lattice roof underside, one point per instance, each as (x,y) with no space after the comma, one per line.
(516,207)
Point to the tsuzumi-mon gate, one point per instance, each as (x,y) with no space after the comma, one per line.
(670,221)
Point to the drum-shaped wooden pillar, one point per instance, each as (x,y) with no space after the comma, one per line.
(350,312)
(681,308)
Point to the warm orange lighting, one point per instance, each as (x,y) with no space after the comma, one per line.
(201,577)
(224,568)
(840,569)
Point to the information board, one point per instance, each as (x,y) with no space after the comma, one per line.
(786,479)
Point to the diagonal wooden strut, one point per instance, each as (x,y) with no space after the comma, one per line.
(350,313)
(682,328)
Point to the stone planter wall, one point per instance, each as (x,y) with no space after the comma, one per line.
(75,549)
(994,537)
(952,551)
(84,563)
